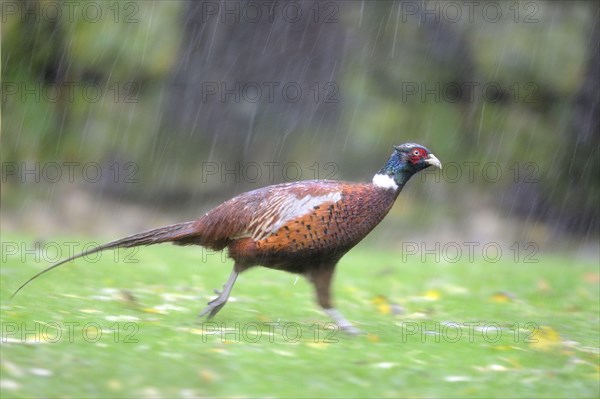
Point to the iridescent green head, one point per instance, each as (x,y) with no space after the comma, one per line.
(406,160)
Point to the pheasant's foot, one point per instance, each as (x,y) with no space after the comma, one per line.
(213,307)
(217,304)
(342,323)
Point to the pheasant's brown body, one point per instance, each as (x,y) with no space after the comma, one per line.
(261,228)
(302,227)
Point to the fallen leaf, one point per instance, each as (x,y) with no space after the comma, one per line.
(502,297)
(432,295)
(317,345)
(373,337)
(514,363)
(545,339)
(381,304)
(207,375)
(152,310)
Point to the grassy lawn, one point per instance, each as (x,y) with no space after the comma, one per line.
(105,329)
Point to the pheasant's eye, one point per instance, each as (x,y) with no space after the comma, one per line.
(416,153)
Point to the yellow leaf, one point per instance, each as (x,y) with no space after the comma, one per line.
(382,305)
(207,375)
(515,363)
(501,297)
(317,345)
(373,337)
(433,295)
(545,339)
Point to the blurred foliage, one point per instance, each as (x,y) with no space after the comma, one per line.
(542,71)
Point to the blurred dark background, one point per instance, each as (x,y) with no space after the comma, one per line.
(164,98)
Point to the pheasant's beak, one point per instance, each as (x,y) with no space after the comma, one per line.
(433,161)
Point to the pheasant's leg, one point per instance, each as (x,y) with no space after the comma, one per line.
(321,278)
(216,304)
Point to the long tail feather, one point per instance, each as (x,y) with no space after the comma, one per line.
(177,233)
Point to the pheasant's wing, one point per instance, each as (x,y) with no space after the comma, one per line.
(260,213)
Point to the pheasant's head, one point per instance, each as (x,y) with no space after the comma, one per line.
(406,160)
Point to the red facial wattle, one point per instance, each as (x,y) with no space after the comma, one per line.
(416,155)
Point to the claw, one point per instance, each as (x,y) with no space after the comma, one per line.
(212,309)
(215,305)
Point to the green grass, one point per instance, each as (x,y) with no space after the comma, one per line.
(408,349)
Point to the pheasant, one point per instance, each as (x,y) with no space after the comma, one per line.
(303,227)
